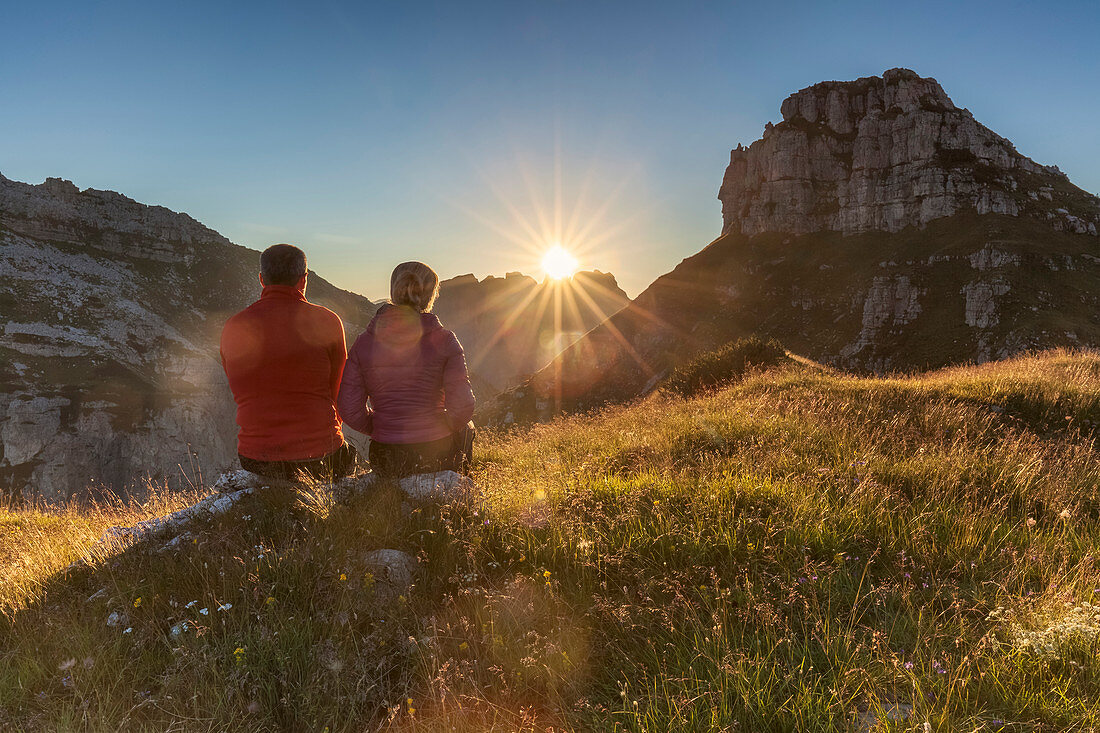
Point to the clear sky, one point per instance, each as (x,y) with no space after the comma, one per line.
(373,133)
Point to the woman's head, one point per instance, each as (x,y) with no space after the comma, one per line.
(415,285)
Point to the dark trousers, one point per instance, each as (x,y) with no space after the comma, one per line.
(396,460)
(336,465)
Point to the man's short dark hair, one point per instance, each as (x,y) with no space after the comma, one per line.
(282,264)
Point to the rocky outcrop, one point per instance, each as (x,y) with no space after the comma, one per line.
(890,303)
(884,153)
(981,302)
(391,570)
(110,313)
(57,210)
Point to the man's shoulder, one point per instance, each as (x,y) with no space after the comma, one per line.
(242,316)
(323,314)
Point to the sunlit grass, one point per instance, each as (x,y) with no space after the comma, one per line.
(796,552)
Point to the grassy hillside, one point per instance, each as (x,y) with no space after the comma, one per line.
(802,551)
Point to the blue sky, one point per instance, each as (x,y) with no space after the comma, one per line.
(373,133)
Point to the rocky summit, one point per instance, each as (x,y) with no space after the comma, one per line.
(878,227)
(110,315)
(885,153)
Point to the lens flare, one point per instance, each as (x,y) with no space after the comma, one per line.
(558,264)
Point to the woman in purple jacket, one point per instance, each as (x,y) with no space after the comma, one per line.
(413,372)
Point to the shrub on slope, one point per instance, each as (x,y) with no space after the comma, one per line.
(724,365)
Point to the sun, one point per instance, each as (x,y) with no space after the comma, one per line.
(558,263)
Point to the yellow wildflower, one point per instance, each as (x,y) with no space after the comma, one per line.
(137,601)
(343,577)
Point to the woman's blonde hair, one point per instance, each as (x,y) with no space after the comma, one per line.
(414,284)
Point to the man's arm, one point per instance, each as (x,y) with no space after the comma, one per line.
(338,356)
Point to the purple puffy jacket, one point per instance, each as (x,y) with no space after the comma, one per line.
(413,372)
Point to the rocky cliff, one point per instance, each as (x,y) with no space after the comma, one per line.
(110,313)
(512,326)
(878,227)
(885,153)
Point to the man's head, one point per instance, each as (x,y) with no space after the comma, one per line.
(283,264)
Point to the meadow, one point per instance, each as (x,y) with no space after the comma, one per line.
(801,550)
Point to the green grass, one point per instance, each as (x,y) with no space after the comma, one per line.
(784,554)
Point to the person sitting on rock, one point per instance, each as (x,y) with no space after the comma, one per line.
(284,357)
(413,372)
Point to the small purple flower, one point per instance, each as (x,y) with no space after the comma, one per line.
(908,665)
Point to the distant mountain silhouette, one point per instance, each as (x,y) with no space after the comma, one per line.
(512,326)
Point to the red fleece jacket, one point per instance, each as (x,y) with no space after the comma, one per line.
(284,357)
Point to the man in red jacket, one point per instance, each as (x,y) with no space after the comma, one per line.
(284,357)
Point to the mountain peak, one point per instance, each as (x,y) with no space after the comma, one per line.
(841,104)
(882,153)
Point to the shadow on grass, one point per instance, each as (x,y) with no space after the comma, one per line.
(266,617)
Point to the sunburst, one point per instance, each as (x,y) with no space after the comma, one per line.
(559,239)
(558,263)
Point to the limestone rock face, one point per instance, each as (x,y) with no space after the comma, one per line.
(890,303)
(110,315)
(981,302)
(884,153)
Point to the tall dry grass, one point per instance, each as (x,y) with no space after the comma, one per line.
(802,551)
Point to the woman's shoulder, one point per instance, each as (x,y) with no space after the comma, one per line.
(440,334)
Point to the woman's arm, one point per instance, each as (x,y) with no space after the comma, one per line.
(352,401)
(458,396)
